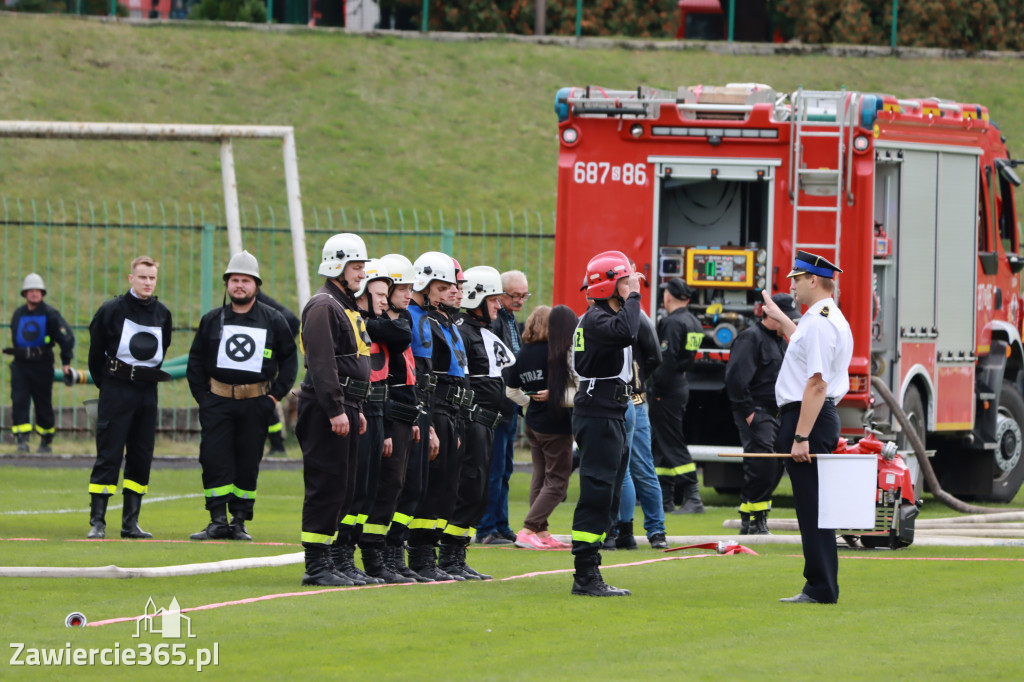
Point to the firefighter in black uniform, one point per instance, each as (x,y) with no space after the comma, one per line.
(486,356)
(337,358)
(603,359)
(35,328)
(755,358)
(275,429)
(681,335)
(242,363)
(129,337)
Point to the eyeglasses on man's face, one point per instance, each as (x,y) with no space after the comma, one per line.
(517,297)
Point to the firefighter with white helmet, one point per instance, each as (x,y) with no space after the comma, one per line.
(602,358)
(337,381)
(35,328)
(242,363)
(128,340)
(486,357)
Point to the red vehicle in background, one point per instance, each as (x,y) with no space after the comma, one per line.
(912,198)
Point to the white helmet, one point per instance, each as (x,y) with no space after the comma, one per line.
(339,250)
(399,268)
(244,263)
(33,281)
(481,281)
(433,265)
(374,270)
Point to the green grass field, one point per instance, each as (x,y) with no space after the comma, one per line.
(920,613)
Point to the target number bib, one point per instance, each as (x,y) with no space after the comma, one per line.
(141,345)
(241,348)
(499,356)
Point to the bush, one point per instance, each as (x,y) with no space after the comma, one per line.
(251,11)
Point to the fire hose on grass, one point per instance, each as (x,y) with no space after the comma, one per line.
(922,458)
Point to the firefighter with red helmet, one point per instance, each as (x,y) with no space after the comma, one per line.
(337,358)
(813,378)
(602,358)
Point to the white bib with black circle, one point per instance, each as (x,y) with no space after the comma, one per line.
(141,345)
(499,356)
(241,348)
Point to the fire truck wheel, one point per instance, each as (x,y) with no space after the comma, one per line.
(1009,462)
(913,406)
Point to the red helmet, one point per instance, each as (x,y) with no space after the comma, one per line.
(603,271)
(460,276)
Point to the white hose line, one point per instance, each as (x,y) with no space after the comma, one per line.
(155,572)
(981,518)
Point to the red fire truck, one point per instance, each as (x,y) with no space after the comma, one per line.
(912,198)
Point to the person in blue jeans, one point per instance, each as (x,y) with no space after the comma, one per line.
(494,528)
(642,483)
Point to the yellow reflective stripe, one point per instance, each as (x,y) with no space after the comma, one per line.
(21,428)
(218,492)
(441,523)
(102,489)
(41,431)
(422,524)
(456,531)
(401,519)
(360,518)
(675,471)
(374,529)
(135,487)
(752,507)
(244,494)
(693,340)
(317,538)
(275,428)
(581,536)
(349,520)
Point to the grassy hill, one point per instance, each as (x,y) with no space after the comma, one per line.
(382,122)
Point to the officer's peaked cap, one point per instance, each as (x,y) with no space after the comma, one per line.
(807,263)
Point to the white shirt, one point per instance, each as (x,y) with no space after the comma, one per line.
(822,344)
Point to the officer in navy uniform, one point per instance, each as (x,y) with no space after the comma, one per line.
(129,337)
(603,359)
(755,358)
(242,363)
(337,356)
(35,328)
(814,377)
(681,335)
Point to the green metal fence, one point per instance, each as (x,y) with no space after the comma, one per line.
(82,251)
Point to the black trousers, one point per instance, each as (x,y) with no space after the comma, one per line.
(367,474)
(415,486)
(474,470)
(442,480)
(32,382)
(821,561)
(672,461)
(231,449)
(125,431)
(604,458)
(390,484)
(761,475)
(328,469)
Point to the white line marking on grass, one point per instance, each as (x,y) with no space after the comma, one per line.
(85,510)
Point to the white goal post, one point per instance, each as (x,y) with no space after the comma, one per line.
(173,132)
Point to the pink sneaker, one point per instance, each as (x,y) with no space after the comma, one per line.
(528,540)
(552,543)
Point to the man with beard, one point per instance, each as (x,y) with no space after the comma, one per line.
(242,363)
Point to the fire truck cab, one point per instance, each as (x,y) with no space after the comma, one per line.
(912,198)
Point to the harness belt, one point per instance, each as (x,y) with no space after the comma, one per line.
(378,394)
(426,382)
(239,391)
(354,388)
(456,395)
(488,418)
(115,367)
(610,390)
(789,407)
(27,353)
(467,398)
(639,398)
(402,412)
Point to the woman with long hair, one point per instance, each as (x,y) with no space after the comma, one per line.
(543,382)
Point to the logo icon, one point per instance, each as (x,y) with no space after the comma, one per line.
(240,347)
(169,625)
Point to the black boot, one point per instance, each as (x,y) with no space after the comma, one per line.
(22,439)
(130,517)
(377,567)
(44,446)
(423,560)
(98,516)
(692,504)
(609,539)
(588,582)
(744,523)
(238,531)
(666,494)
(344,558)
(218,528)
(276,443)
(759,524)
(467,570)
(658,541)
(319,569)
(395,556)
(625,539)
